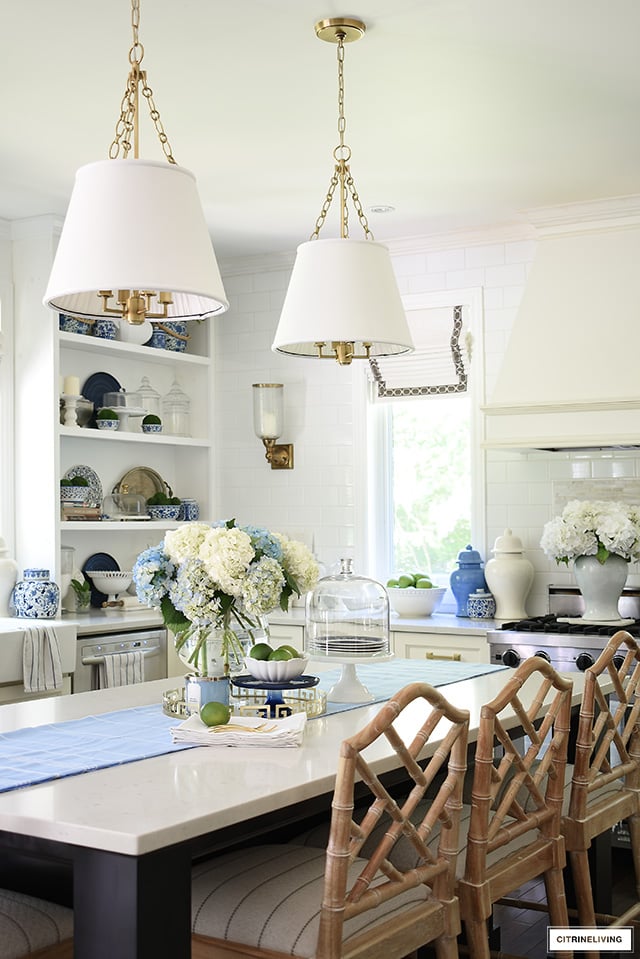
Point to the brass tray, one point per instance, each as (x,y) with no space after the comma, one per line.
(311,701)
(144,481)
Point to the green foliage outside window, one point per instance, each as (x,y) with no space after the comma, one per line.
(431,479)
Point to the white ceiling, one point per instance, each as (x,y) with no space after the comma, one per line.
(460,113)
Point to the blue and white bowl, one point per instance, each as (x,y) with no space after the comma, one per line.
(176,336)
(105,329)
(74,324)
(152,427)
(163,512)
(74,494)
(107,424)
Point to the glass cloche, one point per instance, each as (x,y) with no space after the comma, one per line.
(347,621)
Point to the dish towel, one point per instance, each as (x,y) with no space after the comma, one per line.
(41,662)
(121,669)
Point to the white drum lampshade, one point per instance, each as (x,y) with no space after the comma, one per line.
(342,290)
(135,225)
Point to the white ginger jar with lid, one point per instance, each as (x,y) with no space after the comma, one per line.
(509,576)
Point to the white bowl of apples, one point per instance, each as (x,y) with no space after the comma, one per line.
(279,665)
(414,595)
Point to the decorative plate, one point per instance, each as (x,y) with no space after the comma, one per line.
(95,486)
(144,481)
(99,562)
(94,388)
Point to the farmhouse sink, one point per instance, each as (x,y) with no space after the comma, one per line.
(11,640)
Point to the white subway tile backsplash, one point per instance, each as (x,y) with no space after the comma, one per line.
(320,496)
(491,255)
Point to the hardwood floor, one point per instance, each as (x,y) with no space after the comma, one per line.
(523,932)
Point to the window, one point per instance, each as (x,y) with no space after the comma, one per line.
(424,477)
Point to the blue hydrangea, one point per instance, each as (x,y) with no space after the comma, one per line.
(264,542)
(152,574)
(193,593)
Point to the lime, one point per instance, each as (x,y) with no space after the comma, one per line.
(215,714)
(393,583)
(406,580)
(424,583)
(260,651)
(294,652)
(280,654)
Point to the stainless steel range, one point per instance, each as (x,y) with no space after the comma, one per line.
(568,646)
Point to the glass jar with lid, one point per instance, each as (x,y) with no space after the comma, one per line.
(150,398)
(176,409)
(347,621)
(347,616)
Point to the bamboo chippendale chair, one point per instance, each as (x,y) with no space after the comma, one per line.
(516,800)
(34,928)
(287,900)
(605,785)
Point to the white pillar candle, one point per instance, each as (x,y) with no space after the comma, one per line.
(71,386)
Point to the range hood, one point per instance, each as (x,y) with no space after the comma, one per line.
(570,377)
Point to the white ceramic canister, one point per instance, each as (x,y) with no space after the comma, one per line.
(8,578)
(509,576)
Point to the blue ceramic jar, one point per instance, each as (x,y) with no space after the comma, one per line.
(36,596)
(467,578)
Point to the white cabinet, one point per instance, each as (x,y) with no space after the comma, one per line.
(46,449)
(455,646)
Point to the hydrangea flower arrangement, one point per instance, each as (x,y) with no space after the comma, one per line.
(595,528)
(204,577)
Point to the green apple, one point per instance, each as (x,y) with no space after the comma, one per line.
(424,583)
(406,580)
(393,583)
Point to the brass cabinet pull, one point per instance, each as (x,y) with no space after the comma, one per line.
(454,657)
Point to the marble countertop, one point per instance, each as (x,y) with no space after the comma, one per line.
(142,806)
(436,623)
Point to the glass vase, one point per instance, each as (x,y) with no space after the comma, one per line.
(220,650)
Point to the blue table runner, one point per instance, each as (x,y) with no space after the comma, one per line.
(39,754)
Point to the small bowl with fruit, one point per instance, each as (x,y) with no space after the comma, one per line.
(279,665)
(413,595)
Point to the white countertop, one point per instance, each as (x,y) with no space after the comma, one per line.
(142,806)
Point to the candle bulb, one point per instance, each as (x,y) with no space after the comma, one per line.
(71,386)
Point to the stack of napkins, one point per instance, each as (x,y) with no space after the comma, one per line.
(243,731)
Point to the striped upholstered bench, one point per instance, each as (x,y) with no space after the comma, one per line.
(34,928)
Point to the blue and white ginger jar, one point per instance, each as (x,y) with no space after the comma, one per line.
(36,596)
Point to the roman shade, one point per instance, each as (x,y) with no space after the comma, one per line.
(437,365)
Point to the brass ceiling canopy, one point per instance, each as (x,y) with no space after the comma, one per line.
(340,28)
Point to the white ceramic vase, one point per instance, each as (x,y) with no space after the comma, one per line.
(601,585)
(509,576)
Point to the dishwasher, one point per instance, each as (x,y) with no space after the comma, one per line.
(92,650)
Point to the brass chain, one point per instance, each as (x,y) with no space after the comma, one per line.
(342,174)
(127,122)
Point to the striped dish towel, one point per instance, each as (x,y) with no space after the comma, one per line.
(41,662)
(121,669)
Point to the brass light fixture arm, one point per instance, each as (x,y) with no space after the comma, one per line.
(278,455)
(136,308)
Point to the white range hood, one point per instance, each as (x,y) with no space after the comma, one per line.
(570,377)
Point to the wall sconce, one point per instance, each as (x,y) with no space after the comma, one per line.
(268,422)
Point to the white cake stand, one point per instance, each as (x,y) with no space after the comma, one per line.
(349,688)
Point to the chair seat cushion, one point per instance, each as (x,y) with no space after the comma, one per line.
(270,897)
(28,924)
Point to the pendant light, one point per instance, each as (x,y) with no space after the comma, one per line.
(135,243)
(342,302)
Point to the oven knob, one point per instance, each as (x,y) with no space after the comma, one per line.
(511,658)
(618,661)
(583,661)
(543,655)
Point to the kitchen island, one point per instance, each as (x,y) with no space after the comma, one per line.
(131,831)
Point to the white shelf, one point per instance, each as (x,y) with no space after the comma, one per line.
(93,344)
(124,436)
(104,525)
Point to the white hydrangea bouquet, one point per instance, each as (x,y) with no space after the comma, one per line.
(221,577)
(597,528)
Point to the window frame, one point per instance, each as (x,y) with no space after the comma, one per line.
(7,448)
(374,540)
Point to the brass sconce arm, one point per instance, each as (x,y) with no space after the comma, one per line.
(279,455)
